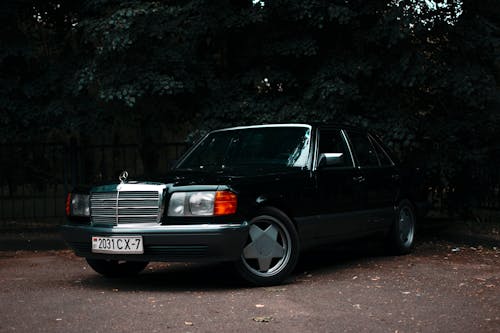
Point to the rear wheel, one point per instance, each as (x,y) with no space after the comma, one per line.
(401,237)
(116,268)
(272,249)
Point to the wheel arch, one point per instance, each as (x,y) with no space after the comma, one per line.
(419,213)
(273,203)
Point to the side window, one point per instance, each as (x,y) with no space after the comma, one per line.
(332,141)
(364,150)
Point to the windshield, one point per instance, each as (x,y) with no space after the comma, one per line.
(260,146)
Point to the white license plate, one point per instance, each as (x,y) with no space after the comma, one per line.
(117,244)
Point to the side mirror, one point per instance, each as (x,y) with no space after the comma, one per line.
(331,159)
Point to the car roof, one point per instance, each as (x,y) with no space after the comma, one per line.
(263,126)
(309,125)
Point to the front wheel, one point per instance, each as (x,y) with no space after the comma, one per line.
(402,234)
(272,249)
(115,268)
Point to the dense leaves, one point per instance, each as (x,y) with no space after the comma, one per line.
(423,73)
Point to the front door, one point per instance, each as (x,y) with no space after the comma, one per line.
(339,189)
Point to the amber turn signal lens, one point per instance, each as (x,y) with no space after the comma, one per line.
(225,203)
(68,205)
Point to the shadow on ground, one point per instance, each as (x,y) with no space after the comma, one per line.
(202,277)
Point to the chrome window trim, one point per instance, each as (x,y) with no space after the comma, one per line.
(348,143)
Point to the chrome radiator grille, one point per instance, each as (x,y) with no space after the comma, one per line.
(122,207)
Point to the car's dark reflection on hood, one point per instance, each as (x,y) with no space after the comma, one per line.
(227,175)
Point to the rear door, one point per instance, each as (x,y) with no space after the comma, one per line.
(380,180)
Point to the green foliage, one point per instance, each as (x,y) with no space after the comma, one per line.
(424,77)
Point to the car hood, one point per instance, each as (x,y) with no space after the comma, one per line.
(227,176)
(181,178)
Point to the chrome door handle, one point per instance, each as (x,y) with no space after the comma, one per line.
(358,179)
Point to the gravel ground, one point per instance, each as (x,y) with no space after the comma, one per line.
(440,287)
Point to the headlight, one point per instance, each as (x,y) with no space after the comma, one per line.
(78,204)
(203,203)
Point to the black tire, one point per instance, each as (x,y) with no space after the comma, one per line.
(115,268)
(402,235)
(272,249)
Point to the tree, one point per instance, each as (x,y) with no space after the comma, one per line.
(34,66)
(423,73)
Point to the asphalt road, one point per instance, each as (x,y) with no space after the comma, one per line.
(441,287)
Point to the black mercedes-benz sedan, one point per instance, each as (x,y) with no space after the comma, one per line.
(255,196)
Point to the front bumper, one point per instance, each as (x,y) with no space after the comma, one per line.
(202,242)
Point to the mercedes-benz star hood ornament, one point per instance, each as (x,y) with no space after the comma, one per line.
(123,176)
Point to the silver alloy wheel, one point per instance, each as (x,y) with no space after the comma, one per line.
(406,226)
(268,249)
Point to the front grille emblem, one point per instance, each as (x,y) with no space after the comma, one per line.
(123,177)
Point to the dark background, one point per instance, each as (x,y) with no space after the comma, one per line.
(90,88)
